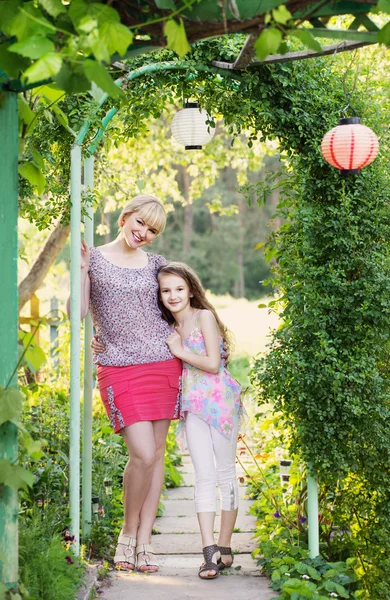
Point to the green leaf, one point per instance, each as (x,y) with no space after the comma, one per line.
(96,72)
(384,6)
(15,476)
(72,81)
(26,115)
(8,11)
(276,575)
(306,38)
(11,404)
(262,306)
(268,42)
(35,357)
(29,21)
(104,13)
(176,37)
(259,245)
(116,37)
(50,92)
(53,7)
(140,184)
(11,63)
(96,46)
(46,67)
(384,35)
(165,4)
(77,11)
(87,24)
(38,158)
(33,47)
(30,172)
(281,14)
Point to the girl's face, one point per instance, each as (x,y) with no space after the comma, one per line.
(174,292)
(136,231)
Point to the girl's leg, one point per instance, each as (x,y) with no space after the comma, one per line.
(225,453)
(200,447)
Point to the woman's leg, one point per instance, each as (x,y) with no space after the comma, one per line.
(200,447)
(225,454)
(143,480)
(150,505)
(140,441)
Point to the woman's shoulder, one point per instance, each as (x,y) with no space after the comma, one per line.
(157,260)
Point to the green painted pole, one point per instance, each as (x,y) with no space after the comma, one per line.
(312,516)
(9,323)
(88,377)
(75,309)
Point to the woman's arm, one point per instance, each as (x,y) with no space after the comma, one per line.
(212,361)
(85,282)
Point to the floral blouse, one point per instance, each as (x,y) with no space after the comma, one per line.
(215,398)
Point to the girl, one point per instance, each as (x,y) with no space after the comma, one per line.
(137,374)
(210,404)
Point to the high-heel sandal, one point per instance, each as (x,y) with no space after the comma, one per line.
(225,551)
(125,552)
(147,559)
(209,565)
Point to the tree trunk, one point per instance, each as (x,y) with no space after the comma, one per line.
(184,183)
(240,254)
(41,266)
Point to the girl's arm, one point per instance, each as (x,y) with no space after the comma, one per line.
(212,361)
(85,282)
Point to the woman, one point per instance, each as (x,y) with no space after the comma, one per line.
(137,374)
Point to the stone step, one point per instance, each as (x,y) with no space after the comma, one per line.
(186,508)
(187,493)
(191,543)
(189,524)
(124,586)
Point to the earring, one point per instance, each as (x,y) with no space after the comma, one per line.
(122,222)
(150,243)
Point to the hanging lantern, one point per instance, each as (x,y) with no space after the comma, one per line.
(189,127)
(349,146)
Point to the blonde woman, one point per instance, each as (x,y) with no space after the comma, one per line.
(138,376)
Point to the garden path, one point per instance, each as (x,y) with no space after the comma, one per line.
(178,545)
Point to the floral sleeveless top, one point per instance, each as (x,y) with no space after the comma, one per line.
(215,398)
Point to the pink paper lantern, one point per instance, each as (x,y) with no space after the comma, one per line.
(350,146)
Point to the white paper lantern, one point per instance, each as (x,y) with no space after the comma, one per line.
(189,127)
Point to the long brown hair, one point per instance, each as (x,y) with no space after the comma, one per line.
(198,299)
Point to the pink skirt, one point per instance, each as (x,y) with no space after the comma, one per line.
(146,392)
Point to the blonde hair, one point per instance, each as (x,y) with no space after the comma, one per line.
(149,208)
(198,299)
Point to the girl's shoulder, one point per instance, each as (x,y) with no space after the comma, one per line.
(205,317)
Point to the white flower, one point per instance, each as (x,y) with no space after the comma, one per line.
(287,575)
(101,441)
(305,577)
(333,595)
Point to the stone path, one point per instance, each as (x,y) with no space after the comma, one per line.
(178,545)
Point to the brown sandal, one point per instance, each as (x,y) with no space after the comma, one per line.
(209,565)
(225,551)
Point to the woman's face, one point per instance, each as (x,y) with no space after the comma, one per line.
(136,231)
(174,292)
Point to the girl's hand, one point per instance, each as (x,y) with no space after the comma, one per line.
(85,255)
(174,343)
(97,347)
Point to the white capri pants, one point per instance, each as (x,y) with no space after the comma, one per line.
(204,444)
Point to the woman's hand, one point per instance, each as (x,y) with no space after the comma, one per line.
(96,346)
(174,344)
(85,255)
